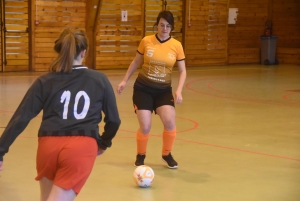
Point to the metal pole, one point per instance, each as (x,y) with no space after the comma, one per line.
(3,35)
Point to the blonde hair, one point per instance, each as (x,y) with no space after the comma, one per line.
(69,45)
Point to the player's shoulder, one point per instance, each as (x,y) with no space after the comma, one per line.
(94,74)
(46,76)
(85,73)
(175,41)
(149,37)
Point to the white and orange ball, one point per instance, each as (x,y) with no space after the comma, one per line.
(143,176)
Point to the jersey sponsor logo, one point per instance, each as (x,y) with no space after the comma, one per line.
(156,79)
(156,71)
(157,67)
(171,56)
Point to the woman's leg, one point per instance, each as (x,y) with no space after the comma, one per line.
(167,115)
(142,135)
(59,194)
(145,120)
(45,188)
(50,192)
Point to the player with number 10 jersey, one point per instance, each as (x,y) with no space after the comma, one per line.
(71,105)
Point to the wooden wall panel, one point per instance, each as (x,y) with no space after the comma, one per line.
(117,40)
(16,36)
(243,37)
(206,32)
(207,38)
(286,25)
(53,16)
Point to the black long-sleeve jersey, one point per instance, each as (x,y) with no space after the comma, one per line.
(72,105)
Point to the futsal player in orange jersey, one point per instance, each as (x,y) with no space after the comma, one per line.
(72,98)
(152,89)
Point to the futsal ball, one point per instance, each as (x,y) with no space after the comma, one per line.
(143,176)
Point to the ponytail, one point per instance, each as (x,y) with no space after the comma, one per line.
(68,46)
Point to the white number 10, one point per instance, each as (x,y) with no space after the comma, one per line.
(65,97)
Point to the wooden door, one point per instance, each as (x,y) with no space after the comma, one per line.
(52,17)
(15,36)
(118,37)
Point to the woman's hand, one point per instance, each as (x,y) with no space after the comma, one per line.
(120,87)
(182,77)
(1,168)
(136,62)
(178,97)
(100,151)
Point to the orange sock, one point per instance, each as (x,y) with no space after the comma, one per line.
(168,141)
(141,142)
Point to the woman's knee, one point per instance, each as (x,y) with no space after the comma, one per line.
(169,125)
(145,129)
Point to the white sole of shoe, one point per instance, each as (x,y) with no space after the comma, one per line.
(174,167)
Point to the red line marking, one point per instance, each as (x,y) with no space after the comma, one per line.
(196,124)
(235,99)
(286,97)
(209,85)
(187,141)
(223,147)
(204,144)
(240,150)
(5,111)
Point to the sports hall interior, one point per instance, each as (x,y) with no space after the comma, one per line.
(238,127)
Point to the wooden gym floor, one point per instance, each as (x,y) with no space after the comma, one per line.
(238,140)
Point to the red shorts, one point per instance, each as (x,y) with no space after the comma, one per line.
(68,161)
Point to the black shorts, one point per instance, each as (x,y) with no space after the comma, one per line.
(151,100)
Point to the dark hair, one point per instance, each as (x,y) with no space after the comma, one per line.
(168,16)
(68,46)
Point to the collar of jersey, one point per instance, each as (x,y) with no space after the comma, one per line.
(162,41)
(75,67)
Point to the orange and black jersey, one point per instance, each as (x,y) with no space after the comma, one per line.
(159,59)
(72,105)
